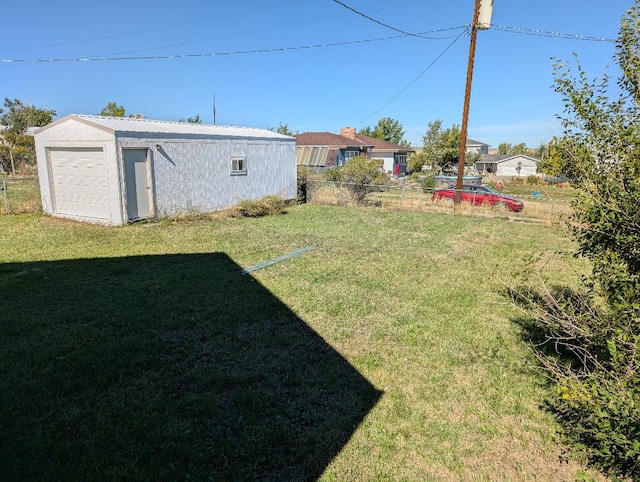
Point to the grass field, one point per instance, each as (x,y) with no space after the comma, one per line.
(385,353)
(19,195)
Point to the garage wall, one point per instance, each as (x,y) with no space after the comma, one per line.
(93,199)
(509,167)
(194,174)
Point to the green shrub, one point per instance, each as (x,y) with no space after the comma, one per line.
(334,174)
(361,175)
(533,180)
(428,183)
(593,334)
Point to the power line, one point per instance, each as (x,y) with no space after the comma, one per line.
(186,23)
(520,30)
(244,33)
(544,33)
(200,55)
(357,12)
(153,28)
(413,81)
(516,30)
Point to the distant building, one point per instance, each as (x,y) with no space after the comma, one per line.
(324,150)
(507,165)
(476,147)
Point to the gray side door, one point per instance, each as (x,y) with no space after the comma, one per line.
(137,180)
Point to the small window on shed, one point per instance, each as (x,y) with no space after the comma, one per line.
(238,165)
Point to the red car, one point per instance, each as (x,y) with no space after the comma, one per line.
(477,195)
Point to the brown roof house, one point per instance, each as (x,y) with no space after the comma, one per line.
(324,150)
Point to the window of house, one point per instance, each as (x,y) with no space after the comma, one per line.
(346,156)
(238,165)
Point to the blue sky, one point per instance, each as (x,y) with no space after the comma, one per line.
(311,64)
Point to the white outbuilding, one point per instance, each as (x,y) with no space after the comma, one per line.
(507,165)
(113,170)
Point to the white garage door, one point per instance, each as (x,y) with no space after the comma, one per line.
(80,185)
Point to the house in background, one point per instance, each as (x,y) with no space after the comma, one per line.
(476,147)
(507,165)
(324,149)
(113,170)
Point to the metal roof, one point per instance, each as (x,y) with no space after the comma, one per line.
(138,125)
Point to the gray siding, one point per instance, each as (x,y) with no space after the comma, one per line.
(194,174)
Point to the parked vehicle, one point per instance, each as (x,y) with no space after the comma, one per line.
(477,195)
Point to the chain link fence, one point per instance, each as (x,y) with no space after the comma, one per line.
(537,208)
(20,195)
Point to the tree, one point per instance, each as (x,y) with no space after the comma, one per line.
(16,146)
(441,146)
(282,129)
(595,332)
(113,110)
(192,120)
(388,130)
(450,145)
(18,116)
(361,175)
(543,149)
(559,163)
(506,148)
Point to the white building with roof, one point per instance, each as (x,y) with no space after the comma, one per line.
(114,170)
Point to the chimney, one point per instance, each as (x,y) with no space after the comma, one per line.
(349,132)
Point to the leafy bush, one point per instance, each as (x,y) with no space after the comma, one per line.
(428,183)
(595,332)
(334,174)
(534,180)
(361,175)
(416,161)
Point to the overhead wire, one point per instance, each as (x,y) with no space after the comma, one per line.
(516,30)
(246,32)
(413,81)
(197,55)
(357,12)
(544,33)
(403,33)
(504,28)
(154,28)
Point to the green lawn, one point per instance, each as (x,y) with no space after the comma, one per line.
(385,353)
(19,195)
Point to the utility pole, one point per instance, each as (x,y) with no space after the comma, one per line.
(481,8)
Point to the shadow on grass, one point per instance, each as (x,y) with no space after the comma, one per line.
(165,367)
